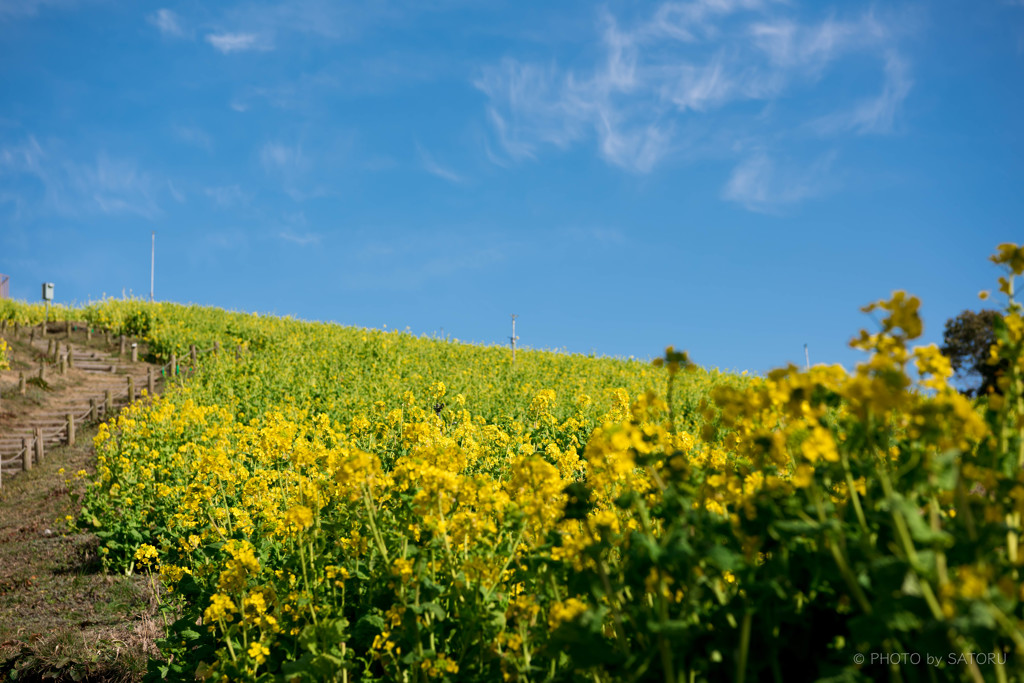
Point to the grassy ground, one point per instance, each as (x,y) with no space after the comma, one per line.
(61,617)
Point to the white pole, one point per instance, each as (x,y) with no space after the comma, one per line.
(513,338)
(807,357)
(152,266)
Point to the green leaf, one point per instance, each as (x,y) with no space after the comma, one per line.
(724,559)
(794,527)
(920,531)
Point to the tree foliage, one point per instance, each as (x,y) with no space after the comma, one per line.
(967,340)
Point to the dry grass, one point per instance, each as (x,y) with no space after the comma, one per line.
(61,617)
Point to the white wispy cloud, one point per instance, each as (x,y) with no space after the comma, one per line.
(177,194)
(304,239)
(761,183)
(54,183)
(875,114)
(12,9)
(410,263)
(238,42)
(167,22)
(194,135)
(812,47)
(277,156)
(431,166)
(531,105)
(296,93)
(116,185)
(228,195)
(652,79)
(327,19)
(291,165)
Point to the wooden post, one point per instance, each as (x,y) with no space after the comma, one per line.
(514,338)
(216,348)
(93,412)
(192,353)
(21,383)
(42,369)
(17,330)
(63,363)
(49,348)
(135,352)
(39,445)
(124,345)
(26,457)
(238,352)
(108,403)
(71,357)
(131,388)
(32,335)
(150,381)
(88,332)
(71,429)
(106,337)
(174,365)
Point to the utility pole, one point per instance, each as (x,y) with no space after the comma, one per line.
(807,357)
(152,265)
(513,338)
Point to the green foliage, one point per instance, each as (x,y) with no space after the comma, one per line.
(966,341)
(337,504)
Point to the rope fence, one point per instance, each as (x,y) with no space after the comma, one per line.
(100,408)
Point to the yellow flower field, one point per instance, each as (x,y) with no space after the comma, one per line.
(342,504)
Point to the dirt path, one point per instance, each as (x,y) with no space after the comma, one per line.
(55,376)
(61,617)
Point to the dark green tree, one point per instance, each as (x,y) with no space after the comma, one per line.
(966,342)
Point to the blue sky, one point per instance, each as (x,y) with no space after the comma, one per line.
(734,177)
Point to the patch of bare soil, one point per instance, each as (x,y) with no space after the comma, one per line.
(61,617)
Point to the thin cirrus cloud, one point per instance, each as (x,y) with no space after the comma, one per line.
(291,166)
(431,166)
(167,22)
(227,196)
(228,43)
(764,184)
(653,84)
(10,9)
(195,136)
(288,160)
(50,183)
(876,114)
(409,264)
(302,239)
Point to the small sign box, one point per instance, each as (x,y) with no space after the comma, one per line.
(47,291)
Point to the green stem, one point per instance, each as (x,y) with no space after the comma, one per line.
(903,533)
(620,632)
(741,672)
(508,560)
(373,526)
(854,496)
(838,556)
